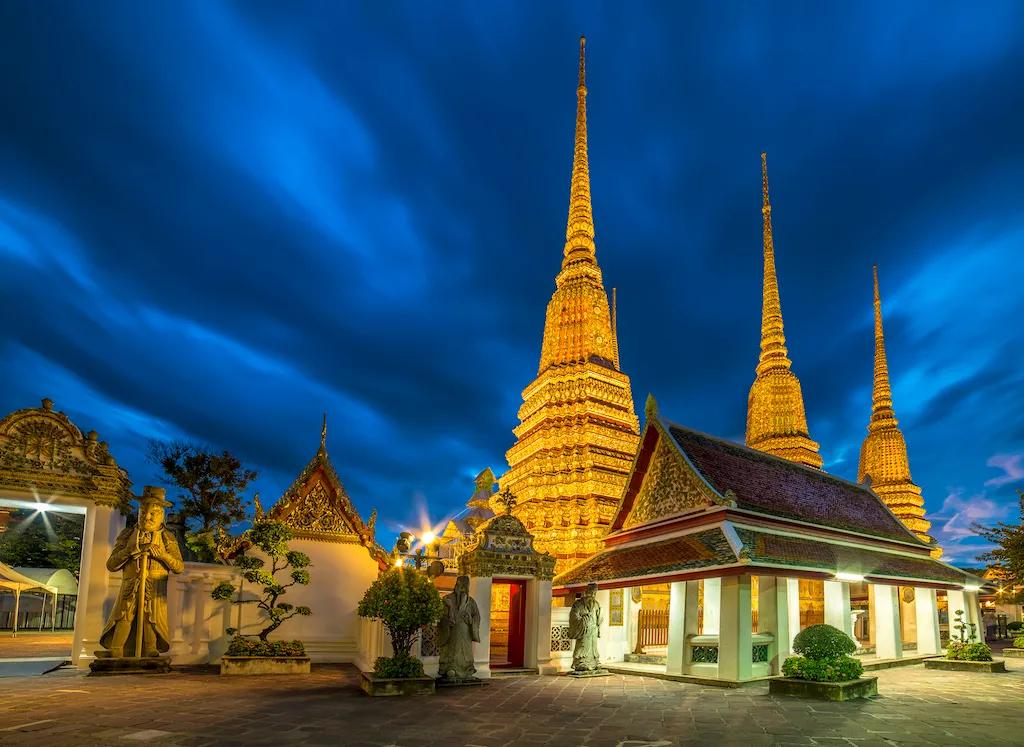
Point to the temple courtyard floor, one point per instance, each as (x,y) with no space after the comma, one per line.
(198,707)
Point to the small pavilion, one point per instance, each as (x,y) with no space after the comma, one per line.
(734,532)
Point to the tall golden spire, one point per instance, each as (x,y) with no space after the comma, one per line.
(578,431)
(883,455)
(776,421)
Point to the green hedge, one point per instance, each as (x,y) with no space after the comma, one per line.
(834,669)
(243,646)
(1018,642)
(823,642)
(398,666)
(968,651)
(1014,626)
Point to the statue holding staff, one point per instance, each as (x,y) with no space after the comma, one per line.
(585,629)
(146,555)
(458,629)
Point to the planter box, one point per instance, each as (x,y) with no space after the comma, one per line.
(264,665)
(1014,653)
(865,687)
(955,665)
(379,686)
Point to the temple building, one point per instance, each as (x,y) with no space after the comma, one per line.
(776,421)
(578,430)
(883,455)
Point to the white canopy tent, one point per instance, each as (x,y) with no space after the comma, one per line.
(17,582)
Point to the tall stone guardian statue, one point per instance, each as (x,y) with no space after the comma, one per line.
(457,630)
(136,633)
(585,629)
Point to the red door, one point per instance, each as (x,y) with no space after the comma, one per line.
(516,623)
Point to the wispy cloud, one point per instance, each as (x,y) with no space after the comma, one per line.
(1012,466)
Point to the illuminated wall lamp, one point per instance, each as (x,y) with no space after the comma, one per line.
(971,587)
(853,577)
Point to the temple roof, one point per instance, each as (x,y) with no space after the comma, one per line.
(778,487)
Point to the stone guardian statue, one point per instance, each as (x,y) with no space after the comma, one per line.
(584,630)
(457,630)
(145,554)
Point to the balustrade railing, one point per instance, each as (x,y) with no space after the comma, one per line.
(651,629)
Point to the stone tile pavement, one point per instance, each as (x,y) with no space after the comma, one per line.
(29,643)
(196,707)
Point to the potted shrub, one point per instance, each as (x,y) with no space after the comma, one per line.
(404,600)
(824,668)
(1017,650)
(256,654)
(964,653)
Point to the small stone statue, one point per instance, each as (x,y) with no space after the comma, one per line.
(585,629)
(457,630)
(145,554)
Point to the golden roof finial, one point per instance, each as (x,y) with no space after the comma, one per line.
(323,433)
(883,455)
(776,419)
(579,230)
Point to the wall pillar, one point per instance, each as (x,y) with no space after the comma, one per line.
(773,617)
(712,605)
(735,655)
(837,606)
(102,525)
(480,590)
(682,623)
(888,638)
(927,622)
(793,601)
(541,645)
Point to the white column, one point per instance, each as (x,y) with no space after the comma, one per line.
(773,616)
(102,525)
(712,605)
(793,601)
(682,605)
(542,645)
(974,614)
(957,601)
(837,606)
(927,622)
(734,637)
(480,590)
(888,638)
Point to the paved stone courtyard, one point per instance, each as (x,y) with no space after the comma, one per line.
(198,707)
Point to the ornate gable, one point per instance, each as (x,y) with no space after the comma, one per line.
(670,487)
(41,450)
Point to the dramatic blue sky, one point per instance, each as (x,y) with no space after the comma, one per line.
(218,220)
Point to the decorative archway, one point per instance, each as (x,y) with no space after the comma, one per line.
(46,460)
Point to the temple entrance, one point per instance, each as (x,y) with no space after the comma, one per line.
(508,624)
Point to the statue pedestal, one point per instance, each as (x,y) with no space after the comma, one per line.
(105,664)
(590,673)
(458,681)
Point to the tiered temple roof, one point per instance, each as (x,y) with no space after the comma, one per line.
(697,506)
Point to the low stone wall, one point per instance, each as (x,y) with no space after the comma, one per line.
(956,665)
(864,687)
(243,665)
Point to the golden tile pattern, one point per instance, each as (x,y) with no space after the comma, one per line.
(776,421)
(883,455)
(578,431)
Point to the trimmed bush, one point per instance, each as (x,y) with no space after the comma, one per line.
(823,642)
(1018,642)
(404,600)
(1015,626)
(968,651)
(245,646)
(834,669)
(398,667)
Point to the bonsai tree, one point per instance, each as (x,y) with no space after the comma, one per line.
(966,648)
(271,538)
(824,656)
(404,600)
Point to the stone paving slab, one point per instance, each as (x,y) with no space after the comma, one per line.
(196,708)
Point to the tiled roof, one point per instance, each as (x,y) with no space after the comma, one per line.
(686,553)
(777,487)
(773,549)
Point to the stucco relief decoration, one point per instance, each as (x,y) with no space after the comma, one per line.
(505,547)
(314,512)
(669,488)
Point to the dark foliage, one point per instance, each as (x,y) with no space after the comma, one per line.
(823,642)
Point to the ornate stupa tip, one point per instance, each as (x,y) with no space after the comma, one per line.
(651,407)
(583,62)
(323,433)
(765,205)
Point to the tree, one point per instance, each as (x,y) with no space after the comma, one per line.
(404,600)
(1007,558)
(43,540)
(271,538)
(211,486)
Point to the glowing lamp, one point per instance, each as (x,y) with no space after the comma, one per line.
(398,563)
(971,587)
(854,577)
(428,538)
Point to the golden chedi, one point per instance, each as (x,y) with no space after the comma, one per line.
(776,421)
(578,430)
(883,455)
